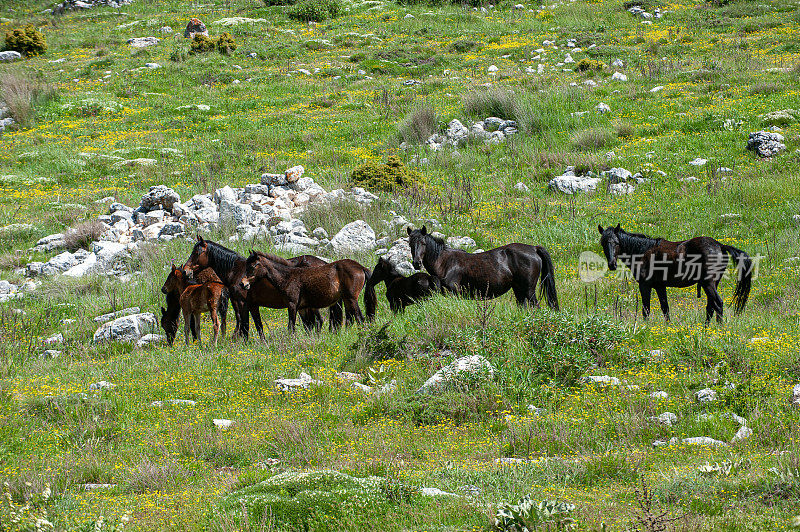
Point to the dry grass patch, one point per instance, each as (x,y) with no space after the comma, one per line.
(23,93)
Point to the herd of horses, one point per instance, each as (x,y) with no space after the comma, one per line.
(214,277)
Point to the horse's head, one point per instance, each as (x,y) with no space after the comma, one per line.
(172,281)
(417,242)
(169,325)
(253,269)
(609,240)
(199,257)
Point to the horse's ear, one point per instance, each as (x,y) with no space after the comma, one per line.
(408,229)
(200,239)
(600,228)
(423,230)
(617,229)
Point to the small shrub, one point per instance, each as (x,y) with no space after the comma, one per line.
(502,103)
(82,235)
(315,11)
(374,345)
(269,3)
(390,176)
(586,65)
(202,44)
(226,44)
(591,139)
(419,125)
(28,41)
(527,515)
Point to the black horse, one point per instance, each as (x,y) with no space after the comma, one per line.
(403,291)
(656,263)
(489,274)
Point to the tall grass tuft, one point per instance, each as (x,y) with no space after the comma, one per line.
(83,234)
(591,139)
(419,125)
(502,103)
(23,93)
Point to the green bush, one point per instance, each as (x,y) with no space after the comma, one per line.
(562,348)
(269,3)
(586,65)
(202,44)
(226,44)
(316,11)
(390,176)
(301,500)
(28,41)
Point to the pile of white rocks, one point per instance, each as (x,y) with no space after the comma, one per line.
(766,143)
(88,4)
(642,13)
(620,181)
(491,130)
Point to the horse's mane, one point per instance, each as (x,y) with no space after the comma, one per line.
(435,244)
(636,243)
(221,257)
(273,258)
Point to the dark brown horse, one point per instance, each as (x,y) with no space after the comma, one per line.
(262,293)
(230,267)
(170,315)
(656,263)
(403,291)
(315,287)
(197,298)
(489,274)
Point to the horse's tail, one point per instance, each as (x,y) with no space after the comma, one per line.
(370,298)
(744,270)
(548,279)
(222,305)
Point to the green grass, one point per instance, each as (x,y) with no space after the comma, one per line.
(590,446)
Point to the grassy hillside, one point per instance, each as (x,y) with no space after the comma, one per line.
(375,72)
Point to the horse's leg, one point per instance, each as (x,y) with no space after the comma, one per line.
(212,310)
(255,311)
(352,310)
(711,303)
(644,290)
(661,291)
(197,318)
(187,326)
(318,321)
(716,301)
(292,317)
(335,316)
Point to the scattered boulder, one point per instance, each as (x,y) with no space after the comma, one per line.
(10,56)
(102,385)
(666,418)
(303,382)
(795,399)
(766,143)
(601,380)
(459,374)
(569,183)
(149,339)
(222,424)
(743,433)
(126,329)
(659,395)
(159,196)
(706,395)
(176,402)
(143,42)
(354,237)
